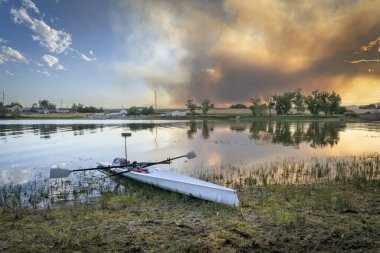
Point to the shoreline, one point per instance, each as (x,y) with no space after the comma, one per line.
(83,116)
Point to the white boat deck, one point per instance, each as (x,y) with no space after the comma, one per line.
(190,186)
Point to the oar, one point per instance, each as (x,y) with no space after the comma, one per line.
(189,155)
(62,173)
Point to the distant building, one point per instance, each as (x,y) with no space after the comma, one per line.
(14,108)
(177,114)
(123,112)
(43,111)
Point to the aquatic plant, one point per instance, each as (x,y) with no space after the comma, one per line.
(360,171)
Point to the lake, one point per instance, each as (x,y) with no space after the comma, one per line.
(227,150)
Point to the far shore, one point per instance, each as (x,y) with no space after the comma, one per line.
(213,114)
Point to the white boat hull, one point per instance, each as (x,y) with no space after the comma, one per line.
(186,185)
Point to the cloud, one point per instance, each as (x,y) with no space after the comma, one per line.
(54,40)
(28,4)
(230,51)
(365,60)
(10,54)
(371,44)
(88,58)
(52,61)
(9,73)
(369,52)
(3,40)
(44,72)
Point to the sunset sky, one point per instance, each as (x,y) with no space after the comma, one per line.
(116,53)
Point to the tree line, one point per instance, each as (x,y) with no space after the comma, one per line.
(317,102)
(86,109)
(205,106)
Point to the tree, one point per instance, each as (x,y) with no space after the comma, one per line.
(46,104)
(269,104)
(147,111)
(322,97)
(206,105)
(133,111)
(16,113)
(283,103)
(2,110)
(16,104)
(299,101)
(341,110)
(334,101)
(257,106)
(313,103)
(191,106)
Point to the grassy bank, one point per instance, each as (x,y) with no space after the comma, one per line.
(55,116)
(213,115)
(337,216)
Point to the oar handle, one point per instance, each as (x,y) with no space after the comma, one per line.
(86,169)
(101,167)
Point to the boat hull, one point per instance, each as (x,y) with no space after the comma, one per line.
(186,185)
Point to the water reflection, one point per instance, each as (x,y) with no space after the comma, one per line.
(45,131)
(317,134)
(192,129)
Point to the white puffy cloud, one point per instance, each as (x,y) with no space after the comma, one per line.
(52,61)
(28,4)
(54,40)
(10,54)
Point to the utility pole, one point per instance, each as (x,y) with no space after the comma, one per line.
(61,102)
(155,98)
(3,98)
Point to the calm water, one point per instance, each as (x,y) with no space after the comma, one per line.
(40,144)
(29,148)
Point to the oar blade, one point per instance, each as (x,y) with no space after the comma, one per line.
(59,173)
(191,155)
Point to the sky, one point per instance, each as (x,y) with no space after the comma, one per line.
(119,53)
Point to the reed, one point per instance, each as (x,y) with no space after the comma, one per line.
(361,171)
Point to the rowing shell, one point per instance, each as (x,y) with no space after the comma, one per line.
(186,185)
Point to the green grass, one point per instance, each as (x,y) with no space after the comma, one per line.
(334,206)
(335,216)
